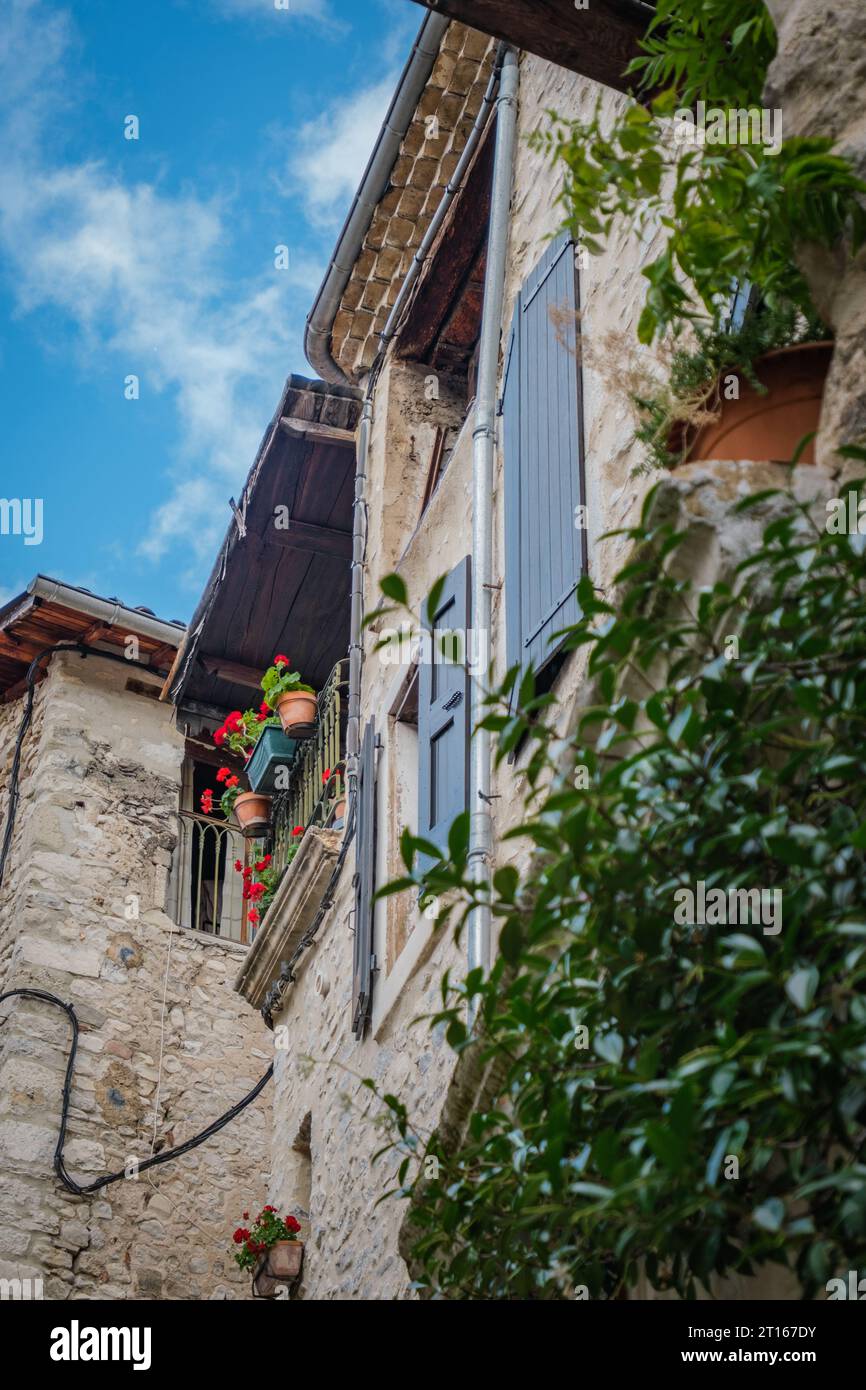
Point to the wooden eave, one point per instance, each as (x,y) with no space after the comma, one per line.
(274,587)
(444,315)
(599,42)
(30,624)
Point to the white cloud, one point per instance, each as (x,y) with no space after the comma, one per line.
(331,152)
(138,273)
(299,9)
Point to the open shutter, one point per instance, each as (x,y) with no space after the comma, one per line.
(545,551)
(363,963)
(444,712)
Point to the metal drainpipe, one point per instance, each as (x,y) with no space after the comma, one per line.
(483,453)
(356,645)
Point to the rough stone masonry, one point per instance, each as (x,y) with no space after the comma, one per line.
(166,1046)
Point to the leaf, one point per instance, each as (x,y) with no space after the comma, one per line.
(506,881)
(770,1215)
(393,587)
(801,986)
(609,1047)
(511,940)
(434,599)
(458,838)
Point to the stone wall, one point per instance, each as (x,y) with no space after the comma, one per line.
(326,1123)
(814,42)
(328,1177)
(162,1034)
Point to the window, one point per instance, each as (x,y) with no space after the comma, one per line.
(443,711)
(542,409)
(205,891)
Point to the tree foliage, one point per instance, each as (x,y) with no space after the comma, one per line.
(640,1055)
(726,212)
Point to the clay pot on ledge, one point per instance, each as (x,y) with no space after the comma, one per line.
(765,428)
(253,814)
(298,711)
(281,1264)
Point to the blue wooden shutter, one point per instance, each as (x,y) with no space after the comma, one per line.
(363,963)
(545,552)
(444,713)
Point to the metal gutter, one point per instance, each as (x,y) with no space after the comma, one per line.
(359,515)
(483,454)
(110,612)
(317,337)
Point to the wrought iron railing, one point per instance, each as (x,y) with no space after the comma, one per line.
(316,786)
(206,890)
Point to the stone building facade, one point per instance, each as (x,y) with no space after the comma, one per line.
(312,1143)
(327,1123)
(165,1044)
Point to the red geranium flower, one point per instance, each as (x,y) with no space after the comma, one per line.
(298,830)
(262,864)
(292,1224)
(265,710)
(234,721)
(219,737)
(207,801)
(281,661)
(326,775)
(239,868)
(241,1234)
(246,1216)
(223,773)
(253,915)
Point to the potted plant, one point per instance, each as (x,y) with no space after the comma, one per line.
(721,206)
(271,1249)
(753,394)
(252,811)
(294,702)
(273,750)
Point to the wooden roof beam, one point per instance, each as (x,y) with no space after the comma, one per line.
(598,42)
(299,428)
(317,540)
(233,671)
(20,651)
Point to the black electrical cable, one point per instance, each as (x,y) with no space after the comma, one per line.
(59,1166)
(167,1155)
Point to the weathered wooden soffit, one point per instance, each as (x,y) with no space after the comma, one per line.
(50,611)
(599,41)
(281,579)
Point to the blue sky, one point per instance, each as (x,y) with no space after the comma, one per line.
(155,258)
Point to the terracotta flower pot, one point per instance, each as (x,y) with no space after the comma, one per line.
(298,712)
(766,428)
(282,1264)
(253,813)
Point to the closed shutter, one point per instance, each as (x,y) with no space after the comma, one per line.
(365,880)
(444,711)
(545,551)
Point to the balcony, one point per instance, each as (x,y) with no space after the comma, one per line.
(205,890)
(311,798)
